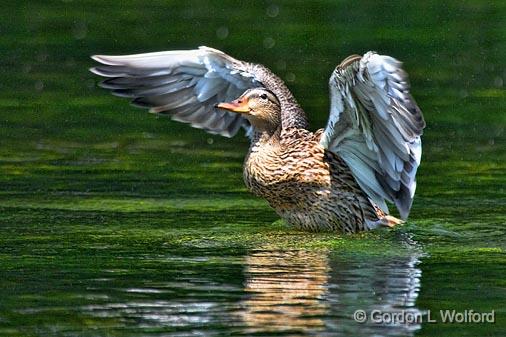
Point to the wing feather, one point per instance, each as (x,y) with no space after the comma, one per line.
(375,125)
(186,85)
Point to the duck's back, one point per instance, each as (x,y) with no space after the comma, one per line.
(308,186)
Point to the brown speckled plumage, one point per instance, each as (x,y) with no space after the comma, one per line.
(308,186)
(338,178)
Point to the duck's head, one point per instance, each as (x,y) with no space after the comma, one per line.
(260,106)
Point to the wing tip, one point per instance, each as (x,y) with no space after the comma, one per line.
(210,49)
(101,59)
(349,60)
(404,201)
(155,109)
(95,71)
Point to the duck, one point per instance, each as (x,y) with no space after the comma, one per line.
(339,178)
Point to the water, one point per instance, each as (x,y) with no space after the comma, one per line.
(117,223)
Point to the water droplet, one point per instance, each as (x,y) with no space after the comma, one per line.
(188,13)
(222,33)
(42,56)
(269,42)
(498,82)
(272,10)
(290,77)
(210,141)
(39,85)
(26,68)
(80,30)
(281,65)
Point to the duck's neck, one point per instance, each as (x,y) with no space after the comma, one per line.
(267,137)
(292,115)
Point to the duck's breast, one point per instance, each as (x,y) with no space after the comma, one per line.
(287,171)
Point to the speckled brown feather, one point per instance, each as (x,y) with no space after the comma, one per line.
(308,186)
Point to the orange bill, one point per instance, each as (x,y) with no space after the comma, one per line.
(239,105)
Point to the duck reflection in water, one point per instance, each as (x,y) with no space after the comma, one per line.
(318,292)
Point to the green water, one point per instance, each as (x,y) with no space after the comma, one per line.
(114,222)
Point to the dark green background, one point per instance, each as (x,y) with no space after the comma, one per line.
(114,222)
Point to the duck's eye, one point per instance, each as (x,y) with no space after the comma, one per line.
(263,96)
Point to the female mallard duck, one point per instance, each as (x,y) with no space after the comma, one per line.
(338,178)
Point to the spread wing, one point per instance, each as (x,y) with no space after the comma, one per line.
(185,85)
(375,126)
